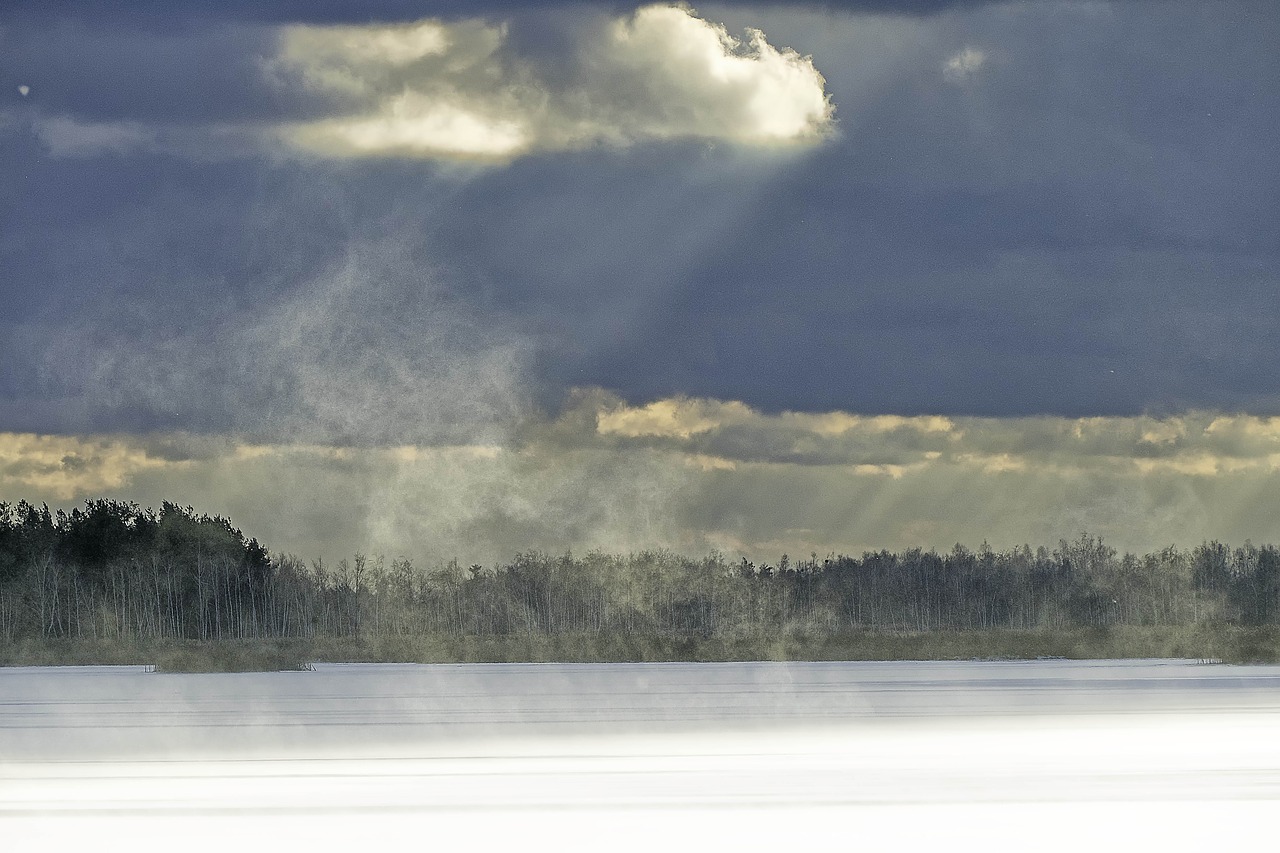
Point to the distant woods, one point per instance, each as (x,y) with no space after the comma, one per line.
(114,571)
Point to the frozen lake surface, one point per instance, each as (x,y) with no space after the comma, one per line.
(1043,754)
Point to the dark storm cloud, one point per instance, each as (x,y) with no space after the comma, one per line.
(1074,230)
(1079,224)
(188,75)
(1037,209)
(160,13)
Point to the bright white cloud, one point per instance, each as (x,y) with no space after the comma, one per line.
(701,81)
(415,124)
(459,90)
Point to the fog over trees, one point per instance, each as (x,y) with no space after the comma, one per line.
(115,571)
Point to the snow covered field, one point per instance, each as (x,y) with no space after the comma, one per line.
(999,755)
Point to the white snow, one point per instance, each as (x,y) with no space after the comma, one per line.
(1018,755)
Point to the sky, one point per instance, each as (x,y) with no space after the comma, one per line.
(458,280)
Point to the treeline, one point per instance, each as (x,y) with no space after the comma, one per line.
(114,571)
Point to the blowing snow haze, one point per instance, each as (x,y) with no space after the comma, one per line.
(457,280)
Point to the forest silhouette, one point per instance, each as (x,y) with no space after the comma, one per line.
(111,581)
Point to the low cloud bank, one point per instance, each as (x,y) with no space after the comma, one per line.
(1195,442)
(695,475)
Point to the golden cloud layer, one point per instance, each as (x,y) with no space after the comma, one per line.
(695,474)
(68,467)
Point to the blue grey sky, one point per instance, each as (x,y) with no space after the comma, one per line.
(333,224)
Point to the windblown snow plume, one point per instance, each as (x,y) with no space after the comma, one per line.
(461,90)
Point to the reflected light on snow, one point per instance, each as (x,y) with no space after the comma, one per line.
(1201,764)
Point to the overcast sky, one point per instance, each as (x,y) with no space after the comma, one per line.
(458,279)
